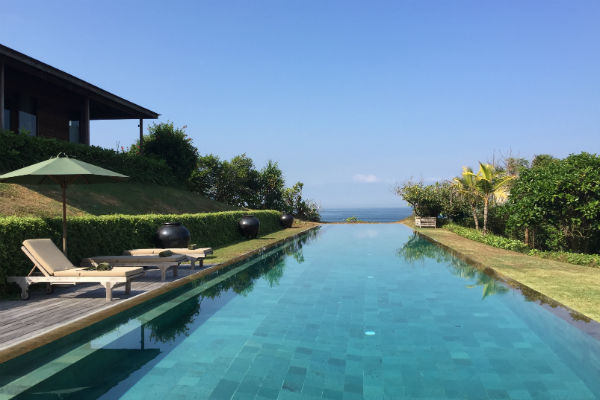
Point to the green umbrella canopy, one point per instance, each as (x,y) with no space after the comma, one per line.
(61,169)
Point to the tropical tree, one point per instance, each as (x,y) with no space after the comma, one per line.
(165,141)
(294,204)
(491,185)
(426,200)
(467,187)
(272,185)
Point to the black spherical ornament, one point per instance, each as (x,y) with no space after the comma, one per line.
(173,235)
(286,220)
(249,226)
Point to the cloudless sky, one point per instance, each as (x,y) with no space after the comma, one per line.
(350,97)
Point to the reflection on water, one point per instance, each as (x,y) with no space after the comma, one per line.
(417,249)
(170,325)
(271,268)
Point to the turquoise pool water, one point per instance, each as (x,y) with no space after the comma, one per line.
(349,312)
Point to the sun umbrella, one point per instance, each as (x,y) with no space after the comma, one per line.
(63,171)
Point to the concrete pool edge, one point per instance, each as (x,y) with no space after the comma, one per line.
(55,333)
(570,315)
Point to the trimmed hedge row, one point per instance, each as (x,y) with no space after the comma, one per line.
(111,234)
(19,150)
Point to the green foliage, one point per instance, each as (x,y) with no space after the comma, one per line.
(19,150)
(207,176)
(272,185)
(587,260)
(165,142)
(432,200)
(112,234)
(489,239)
(466,185)
(352,219)
(238,183)
(498,215)
(426,200)
(558,201)
(294,204)
(513,166)
(542,160)
(492,185)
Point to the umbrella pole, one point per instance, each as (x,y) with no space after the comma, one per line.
(63,186)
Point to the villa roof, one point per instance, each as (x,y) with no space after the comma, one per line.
(105,105)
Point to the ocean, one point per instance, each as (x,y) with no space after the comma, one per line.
(384,214)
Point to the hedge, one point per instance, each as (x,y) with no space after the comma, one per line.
(586,260)
(489,239)
(20,150)
(111,234)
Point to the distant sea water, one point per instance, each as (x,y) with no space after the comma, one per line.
(387,214)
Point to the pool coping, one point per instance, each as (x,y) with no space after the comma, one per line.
(562,311)
(55,333)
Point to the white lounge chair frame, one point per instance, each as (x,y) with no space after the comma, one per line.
(109,282)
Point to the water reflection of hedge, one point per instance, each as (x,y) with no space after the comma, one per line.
(173,323)
(271,268)
(418,249)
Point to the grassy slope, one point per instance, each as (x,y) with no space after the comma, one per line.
(575,286)
(121,198)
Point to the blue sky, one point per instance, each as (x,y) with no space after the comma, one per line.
(350,97)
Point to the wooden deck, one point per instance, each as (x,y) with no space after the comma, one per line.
(21,321)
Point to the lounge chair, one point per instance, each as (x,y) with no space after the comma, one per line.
(56,269)
(194,256)
(163,263)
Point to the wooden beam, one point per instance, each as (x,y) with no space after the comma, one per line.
(1,95)
(84,125)
(141,135)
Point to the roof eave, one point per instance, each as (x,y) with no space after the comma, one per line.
(76,84)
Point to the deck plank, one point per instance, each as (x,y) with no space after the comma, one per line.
(22,320)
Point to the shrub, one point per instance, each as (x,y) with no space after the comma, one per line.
(111,234)
(237,182)
(294,204)
(432,200)
(272,186)
(19,150)
(558,202)
(172,145)
(425,199)
(588,260)
(489,239)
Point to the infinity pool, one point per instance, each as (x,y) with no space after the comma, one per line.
(346,312)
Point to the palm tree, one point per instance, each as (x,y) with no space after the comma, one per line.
(491,184)
(467,186)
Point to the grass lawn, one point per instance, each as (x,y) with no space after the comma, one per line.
(574,286)
(110,198)
(236,250)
